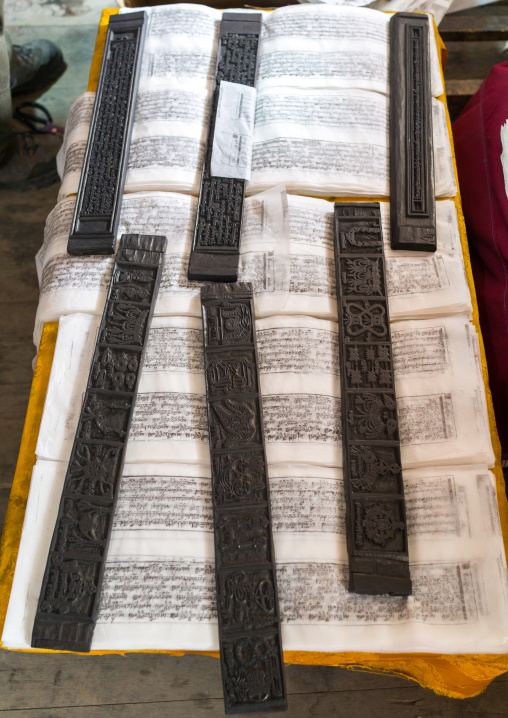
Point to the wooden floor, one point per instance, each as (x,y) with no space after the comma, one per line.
(153,685)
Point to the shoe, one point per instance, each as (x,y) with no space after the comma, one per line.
(35,67)
(29,162)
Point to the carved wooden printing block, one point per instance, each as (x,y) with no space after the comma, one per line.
(412,202)
(216,246)
(71,587)
(97,212)
(374,492)
(247,604)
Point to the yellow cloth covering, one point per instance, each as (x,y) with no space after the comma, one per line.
(455,676)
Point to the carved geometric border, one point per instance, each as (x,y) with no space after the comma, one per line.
(97,212)
(71,587)
(412,201)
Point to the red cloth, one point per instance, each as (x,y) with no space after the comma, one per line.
(477,137)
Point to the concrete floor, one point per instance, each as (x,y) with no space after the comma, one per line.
(137,685)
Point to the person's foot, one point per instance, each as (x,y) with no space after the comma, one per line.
(35,67)
(29,162)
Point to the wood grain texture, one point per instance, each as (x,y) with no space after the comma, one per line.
(13,403)
(4,500)
(473,28)
(462,87)
(155,685)
(23,219)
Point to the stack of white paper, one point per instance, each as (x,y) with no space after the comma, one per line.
(442,410)
(158,590)
(296,276)
(321,128)
(321,124)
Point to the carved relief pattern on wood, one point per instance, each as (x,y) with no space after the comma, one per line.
(249,622)
(71,586)
(220,207)
(253,672)
(375,512)
(97,211)
(239,477)
(369,366)
(233,371)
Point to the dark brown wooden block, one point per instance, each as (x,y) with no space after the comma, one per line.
(374,491)
(216,246)
(247,604)
(98,204)
(412,202)
(71,587)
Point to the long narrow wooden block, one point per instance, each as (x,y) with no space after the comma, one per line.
(71,587)
(247,604)
(216,246)
(99,199)
(412,202)
(374,491)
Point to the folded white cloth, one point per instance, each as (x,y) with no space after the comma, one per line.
(442,413)
(440,396)
(322,108)
(169,420)
(318,142)
(330,46)
(158,590)
(293,271)
(334,143)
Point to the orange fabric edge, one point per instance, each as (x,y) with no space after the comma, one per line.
(454,676)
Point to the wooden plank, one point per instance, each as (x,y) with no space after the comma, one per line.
(472,60)
(409,702)
(23,218)
(71,587)
(494,8)
(22,234)
(37,685)
(216,245)
(40,684)
(376,529)
(473,28)
(16,346)
(245,578)
(98,204)
(34,680)
(458,94)
(412,202)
